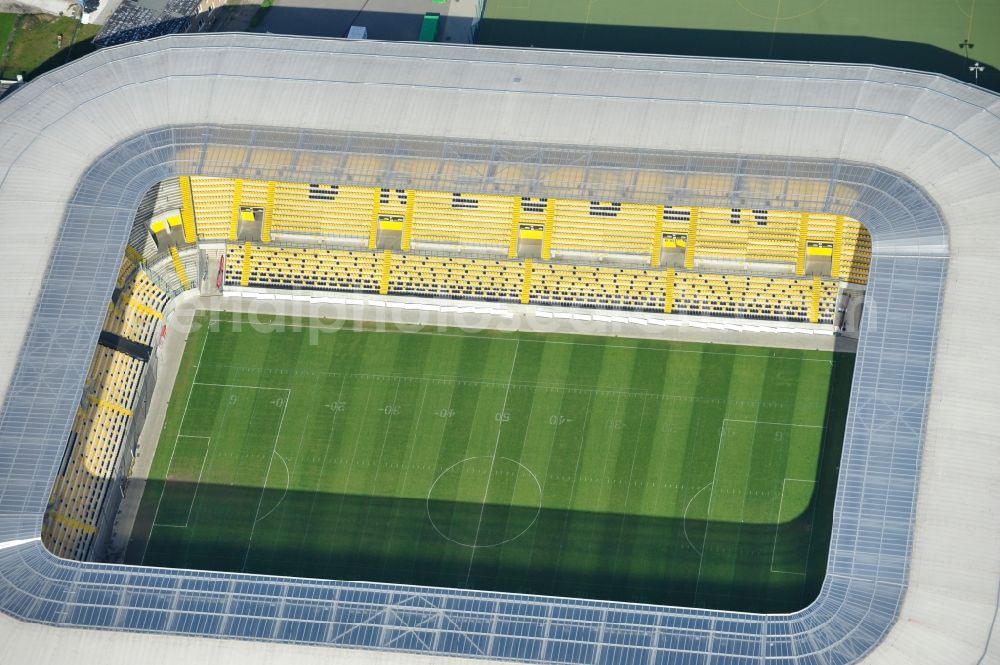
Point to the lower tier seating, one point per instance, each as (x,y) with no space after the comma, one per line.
(102,420)
(444,277)
(319,269)
(609,288)
(139,308)
(655,290)
(752,297)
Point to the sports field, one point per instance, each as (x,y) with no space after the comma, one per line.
(613,468)
(923,35)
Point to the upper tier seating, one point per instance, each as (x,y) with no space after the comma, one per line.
(603,227)
(755,239)
(466,219)
(318,209)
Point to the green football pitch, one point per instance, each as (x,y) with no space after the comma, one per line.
(926,35)
(595,467)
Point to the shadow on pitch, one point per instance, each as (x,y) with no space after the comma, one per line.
(607,556)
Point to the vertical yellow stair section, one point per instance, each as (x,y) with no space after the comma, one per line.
(800,257)
(265,232)
(515,228)
(838,244)
(668,303)
(526,282)
(692,239)
(411,196)
(187,209)
(814,300)
(179,267)
(383,286)
(373,231)
(657,248)
(247,267)
(234,223)
(550,222)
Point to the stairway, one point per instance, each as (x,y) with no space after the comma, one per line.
(838,244)
(550,219)
(265,232)
(657,247)
(411,197)
(383,286)
(247,265)
(373,231)
(187,210)
(668,304)
(234,223)
(179,267)
(526,282)
(515,229)
(814,300)
(692,239)
(800,258)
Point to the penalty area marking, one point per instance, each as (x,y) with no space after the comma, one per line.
(718,454)
(267,474)
(284,492)
(194,496)
(777,525)
(684,517)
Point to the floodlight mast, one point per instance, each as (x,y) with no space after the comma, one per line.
(975,69)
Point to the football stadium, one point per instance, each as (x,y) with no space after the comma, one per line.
(351,349)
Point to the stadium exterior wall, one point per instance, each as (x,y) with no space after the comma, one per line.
(79,147)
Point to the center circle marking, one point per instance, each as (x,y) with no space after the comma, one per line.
(468,530)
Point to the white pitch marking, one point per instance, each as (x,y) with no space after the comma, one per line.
(288,480)
(708,513)
(267,474)
(234,385)
(777,525)
(764,422)
(194,497)
(489,476)
(605,346)
(159,501)
(685,514)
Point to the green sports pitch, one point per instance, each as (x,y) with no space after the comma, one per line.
(597,467)
(929,35)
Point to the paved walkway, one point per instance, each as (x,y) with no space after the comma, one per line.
(395,20)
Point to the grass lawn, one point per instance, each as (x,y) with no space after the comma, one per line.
(36,47)
(7,22)
(916,35)
(611,468)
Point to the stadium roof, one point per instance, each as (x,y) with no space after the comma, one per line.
(913,572)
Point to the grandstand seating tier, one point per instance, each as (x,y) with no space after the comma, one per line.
(541,282)
(567,228)
(98,432)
